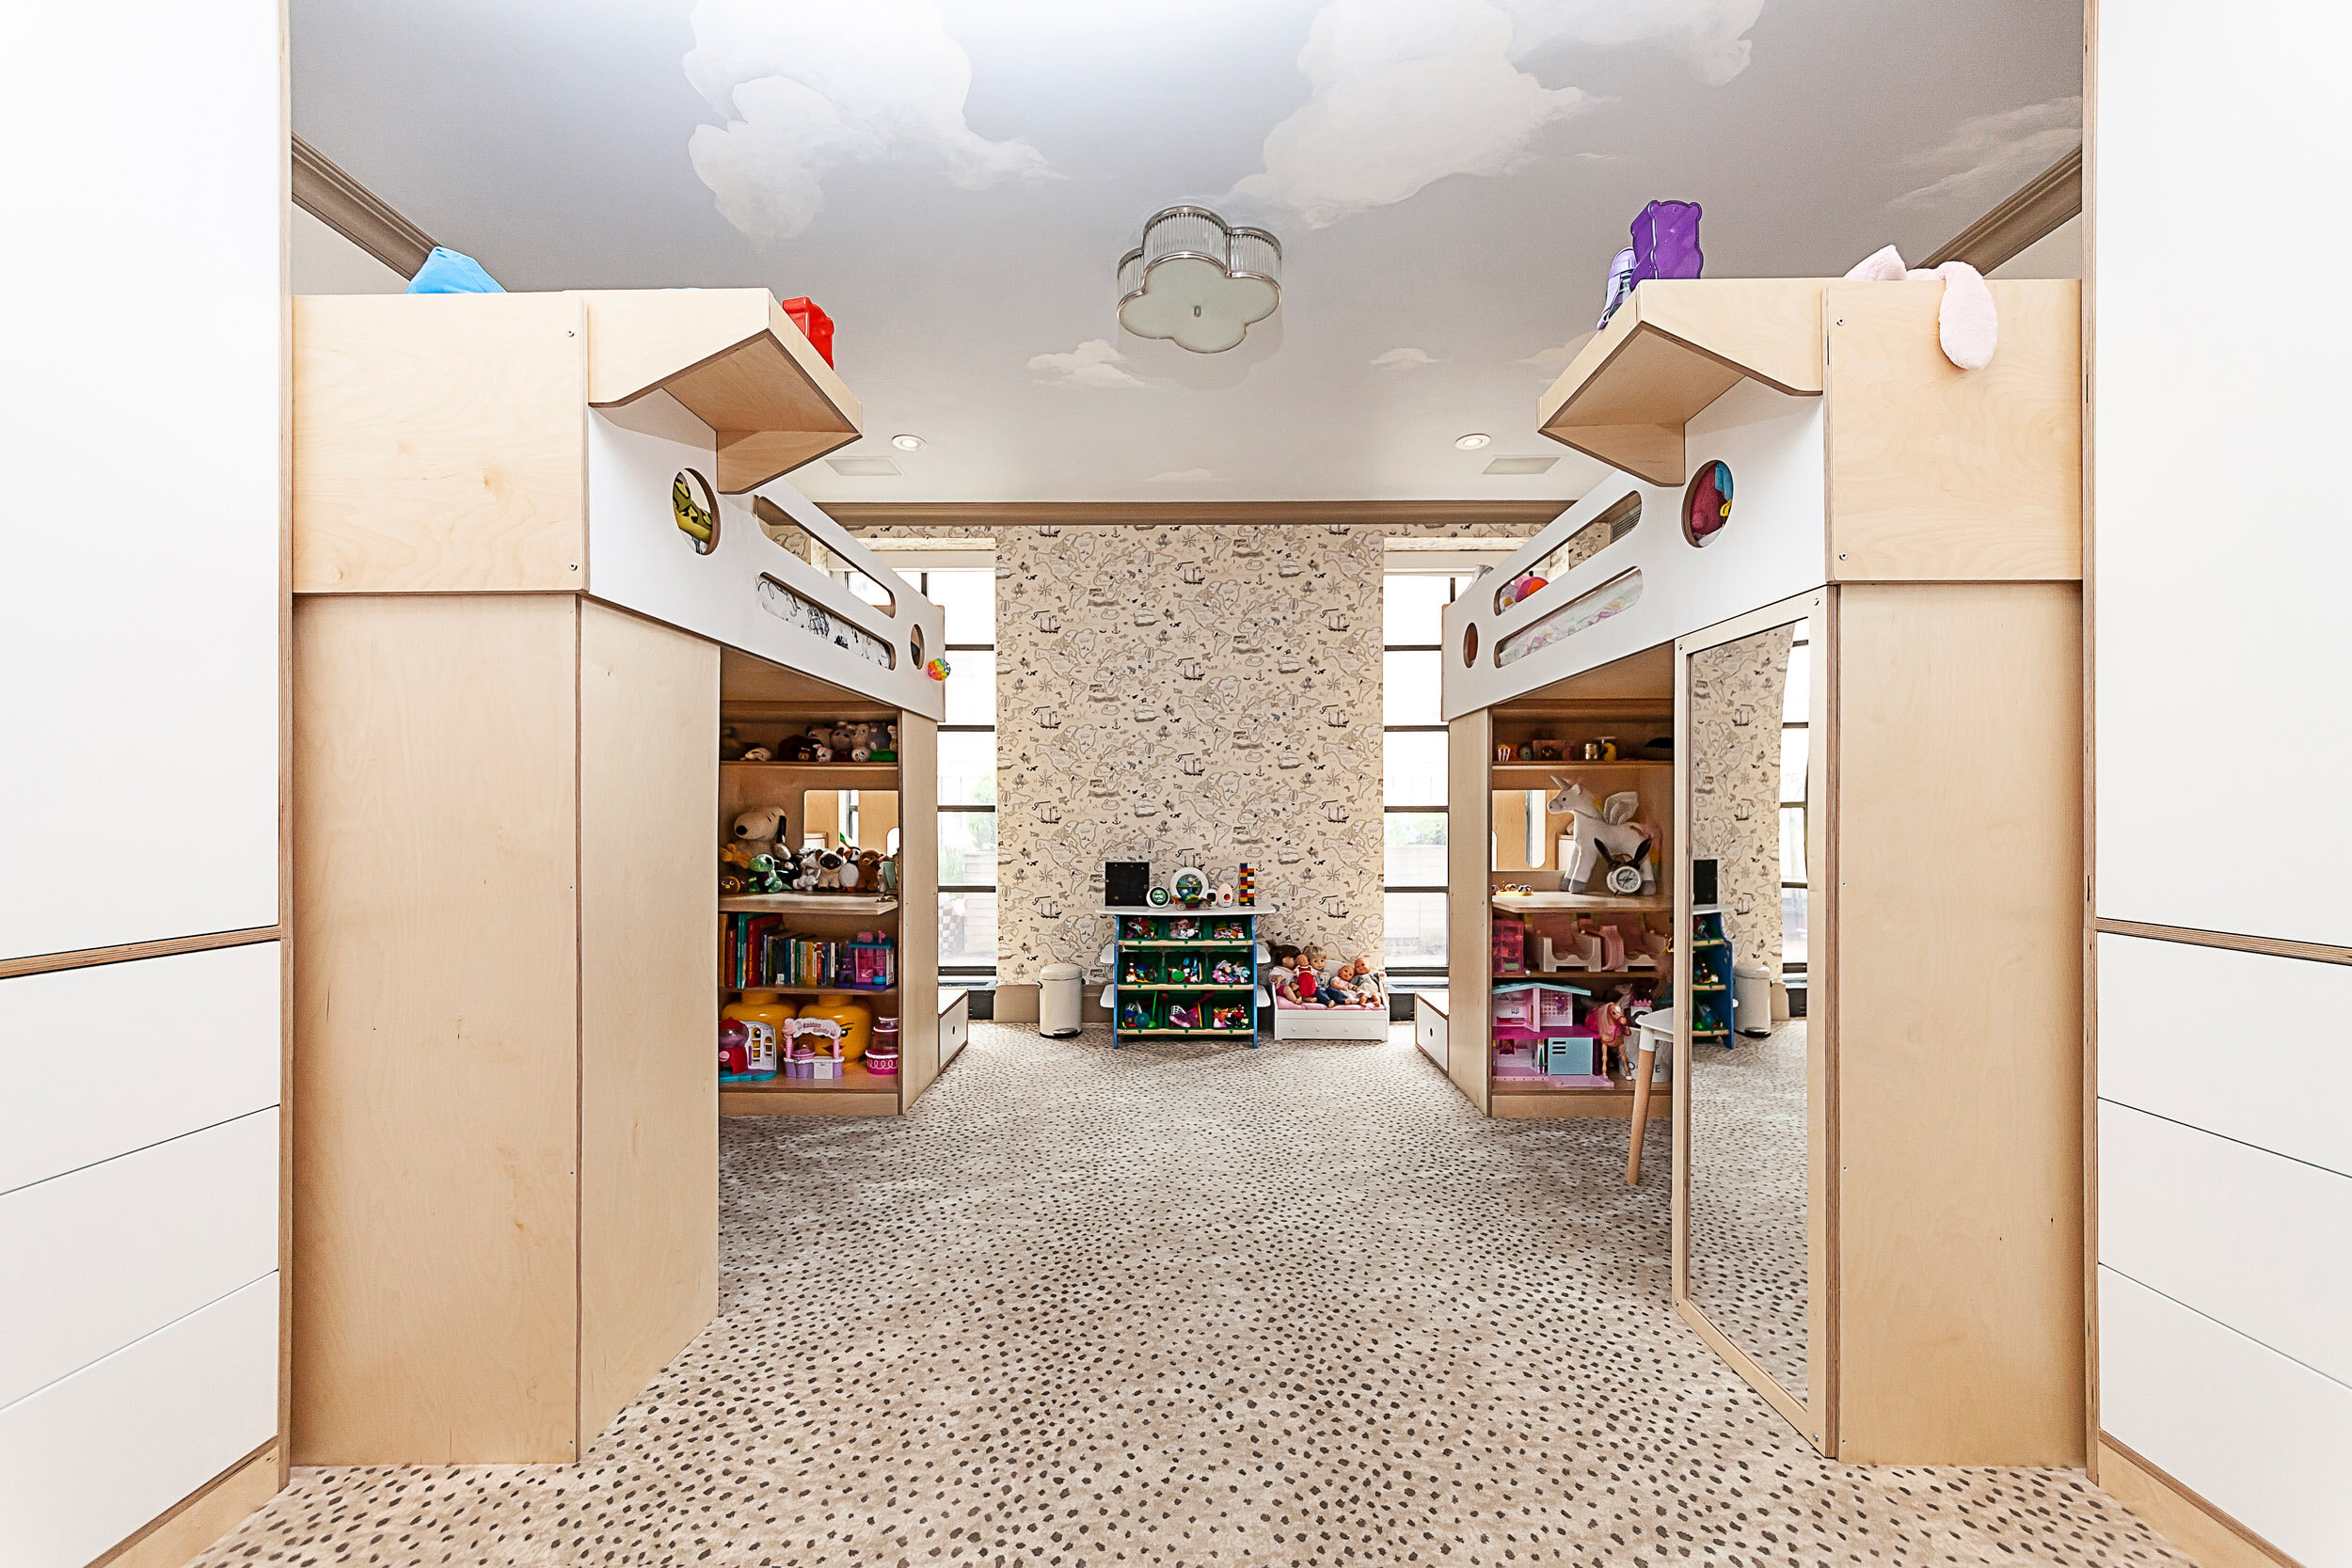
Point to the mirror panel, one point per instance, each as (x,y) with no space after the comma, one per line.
(1747,1159)
(867,818)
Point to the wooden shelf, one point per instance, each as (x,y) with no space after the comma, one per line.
(736,362)
(855,1079)
(820,774)
(1561,976)
(1674,347)
(814,990)
(1538,1085)
(1542,901)
(1191,1033)
(1529,775)
(805,903)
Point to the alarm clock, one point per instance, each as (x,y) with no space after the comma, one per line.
(1189,887)
(1625,879)
(1157,897)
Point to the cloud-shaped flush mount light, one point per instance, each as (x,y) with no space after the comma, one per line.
(1199,282)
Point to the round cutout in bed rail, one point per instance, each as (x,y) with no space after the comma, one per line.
(1707,504)
(696,510)
(1470,645)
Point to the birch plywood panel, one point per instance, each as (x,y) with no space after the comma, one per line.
(440,443)
(435,1031)
(1467,934)
(1940,474)
(648,944)
(1957,1007)
(918,904)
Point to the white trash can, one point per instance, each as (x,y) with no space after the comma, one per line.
(1751,998)
(1057,1005)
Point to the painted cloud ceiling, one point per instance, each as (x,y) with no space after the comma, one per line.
(956,181)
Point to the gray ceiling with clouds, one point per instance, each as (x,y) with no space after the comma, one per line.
(955,184)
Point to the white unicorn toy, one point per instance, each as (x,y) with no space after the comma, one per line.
(1603,838)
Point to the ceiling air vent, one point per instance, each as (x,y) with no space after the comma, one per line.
(1519,464)
(863,467)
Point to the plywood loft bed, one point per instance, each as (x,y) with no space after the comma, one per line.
(1893,598)
(512,655)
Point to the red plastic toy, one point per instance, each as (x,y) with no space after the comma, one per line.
(814,324)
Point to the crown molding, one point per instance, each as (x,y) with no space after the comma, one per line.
(2032,210)
(357,213)
(1161,513)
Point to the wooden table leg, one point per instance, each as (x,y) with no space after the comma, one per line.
(1640,1117)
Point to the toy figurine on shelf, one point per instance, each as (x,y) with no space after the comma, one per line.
(1183,969)
(1230,1017)
(1230,972)
(1183,928)
(1134,1014)
(1230,930)
(1138,970)
(765,875)
(1182,1017)
(1134,928)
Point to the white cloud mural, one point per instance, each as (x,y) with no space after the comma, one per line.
(1990,156)
(807,86)
(1402,360)
(1406,92)
(1092,363)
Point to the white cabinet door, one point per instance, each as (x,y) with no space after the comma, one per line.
(115,1251)
(97,1062)
(97,1455)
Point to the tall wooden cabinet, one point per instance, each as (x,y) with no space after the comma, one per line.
(508,674)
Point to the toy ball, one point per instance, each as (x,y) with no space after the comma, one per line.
(936,669)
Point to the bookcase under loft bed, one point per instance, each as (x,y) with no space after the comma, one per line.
(513,641)
(763,705)
(1629,706)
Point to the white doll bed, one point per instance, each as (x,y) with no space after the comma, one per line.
(1294,1020)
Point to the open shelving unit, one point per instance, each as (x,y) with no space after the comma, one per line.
(1153,953)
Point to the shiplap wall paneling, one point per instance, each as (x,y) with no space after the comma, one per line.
(92,1457)
(2219,556)
(2258,1434)
(87,1074)
(122,1248)
(139,600)
(2158,1050)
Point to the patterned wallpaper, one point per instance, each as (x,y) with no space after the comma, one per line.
(1736,693)
(1189,696)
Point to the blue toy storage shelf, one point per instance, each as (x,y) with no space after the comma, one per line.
(1173,970)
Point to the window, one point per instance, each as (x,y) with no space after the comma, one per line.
(1413,753)
(1795,753)
(967,776)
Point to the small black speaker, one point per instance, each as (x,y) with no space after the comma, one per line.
(1125,883)
(1702,882)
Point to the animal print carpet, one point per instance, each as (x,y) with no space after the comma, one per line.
(1190,1304)
(1748,1242)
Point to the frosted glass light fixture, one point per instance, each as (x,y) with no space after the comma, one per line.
(1198,282)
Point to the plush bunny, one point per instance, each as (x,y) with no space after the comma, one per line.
(820,745)
(1594,825)
(860,742)
(1966,326)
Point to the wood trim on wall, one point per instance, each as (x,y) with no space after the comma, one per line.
(2087,188)
(856,515)
(357,213)
(45,963)
(2277,948)
(2180,1515)
(2032,210)
(204,1515)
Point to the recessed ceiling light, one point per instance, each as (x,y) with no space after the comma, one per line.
(907,443)
(1472,442)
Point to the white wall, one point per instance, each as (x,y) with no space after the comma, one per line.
(2057,254)
(140,611)
(326,264)
(2218,566)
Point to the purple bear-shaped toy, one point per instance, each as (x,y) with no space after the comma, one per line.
(1665,244)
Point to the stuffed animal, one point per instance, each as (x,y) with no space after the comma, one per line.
(765,876)
(869,863)
(812,875)
(886,747)
(1594,825)
(828,870)
(841,739)
(851,870)
(860,742)
(731,746)
(759,827)
(820,745)
(759,754)
(1967,327)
